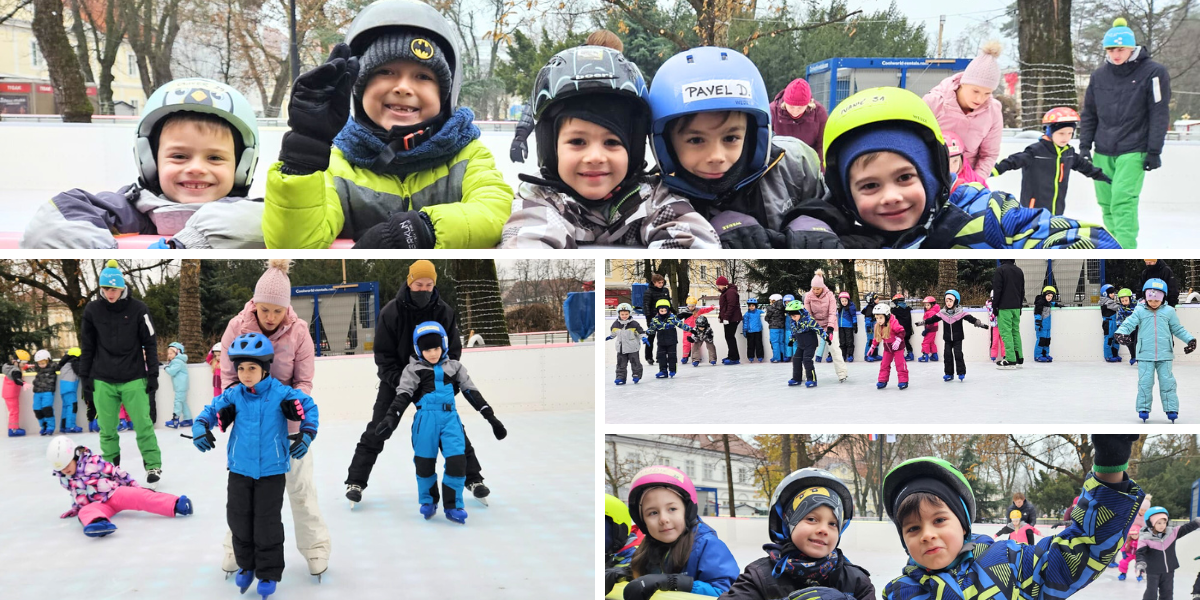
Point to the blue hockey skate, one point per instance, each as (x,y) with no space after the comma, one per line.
(880,385)
(817,359)
(428,510)
(713,362)
(774,360)
(183,506)
(908,356)
(660,375)
(93,426)
(99,528)
(619,382)
(1115,359)
(75,429)
(636,379)
(672,373)
(695,363)
(244,579)
(933,357)
(793,382)
(850,358)
(1121,577)
(962,377)
(1172,416)
(1143,415)
(902,385)
(947,378)
(457,515)
(924,358)
(266,588)
(810,384)
(683,361)
(18,432)
(1133,361)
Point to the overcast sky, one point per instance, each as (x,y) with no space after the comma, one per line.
(960,17)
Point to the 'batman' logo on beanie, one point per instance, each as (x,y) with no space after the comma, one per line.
(421,48)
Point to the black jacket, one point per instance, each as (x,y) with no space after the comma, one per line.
(904,315)
(1028,512)
(953,332)
(757,583)
(393,336)
(1125,108)
(45,380)
(1008,288)
(1163,272)
(117,340)
(652,296)
(1045,171)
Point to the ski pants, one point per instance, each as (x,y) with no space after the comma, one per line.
(666,357)
(929,342)
(867,351)
(1123,565)
(252,509)
(68,391)
(885,366)
(754,345)
(1111,347)
(1159,586)
(181,409)
(1166,385)
(435,426)
(131,395)
(846,341)
(43,408)
(312,536)
(953,358)
(996,351)
(1119,200)
(839,364)
(1041,325)
(731,341)
(1009,320)
(698,348)
(802,362)
(12,400)
(631,359)
(129,498)
(908,348)
(778,344)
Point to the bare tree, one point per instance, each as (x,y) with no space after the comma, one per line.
(108,32)
(61,61)
(947,275)
(1047,65)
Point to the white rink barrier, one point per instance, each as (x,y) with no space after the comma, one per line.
(511,379)
(1075,335)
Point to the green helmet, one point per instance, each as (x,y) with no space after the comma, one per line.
(1050,289)
(794,306)
(928,466)
(662,303)
(1125,293)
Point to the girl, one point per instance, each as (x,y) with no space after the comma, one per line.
(1156,553)
(870,354)
(929,335)
(679,552)
(962,174)
(700,339)
(1041,322)
(888,333)
(963,103)
(43,391)
(630,335)
(14,382)
(996,349)
(1129,553)
(752,323)
(100,489)
(952,335)
(1018,530)
(689,317)
(804,337)
(776,324)
(847,325)
(1159,325)
(214,360)
(177,369)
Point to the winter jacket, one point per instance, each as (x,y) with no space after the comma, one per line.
(647,216)
(731,305)
(663,326)
(466,198)
(1029,511)
(847,315)
(690,317)
(66,368)
(1045,169)
(628,335)
(651,297)
(394,341)
(903,313)
(930,320)
(424,384)
(1157,550)
(823,308)
(752,322)
(758,582)
(1041,308)
(701,335)
(46,379)
(1108,307)
(1054,569)
(1023,534)
(117,340)
(1008,287)
(1124,312)
(1161,271)
(710,564)
(1126,107)
(178,370)
(76,219)
(893,340)
(1155,329)
(809,128)
(95,480)
(776,317)
(804,324)
(980,129)
(258,445)
(295,357)
(868,313)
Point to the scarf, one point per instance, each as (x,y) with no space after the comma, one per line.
(789,561)
(365,149)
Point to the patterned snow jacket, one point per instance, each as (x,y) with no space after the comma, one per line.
(664,328)
(95,479)
(46,379)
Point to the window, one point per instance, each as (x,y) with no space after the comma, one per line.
(666,462)
(741,475)
(708,471)
(35,54)
(689,467)
(703,273)
(608,268)
(131,63)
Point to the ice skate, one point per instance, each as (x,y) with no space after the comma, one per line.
(428,510)
(244,579)
(354,495)
(793,382)
(99,528)
(479,491)
(902,385)
(266,588)
(457,515)
(317,567)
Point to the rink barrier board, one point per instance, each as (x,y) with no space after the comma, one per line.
(618,593)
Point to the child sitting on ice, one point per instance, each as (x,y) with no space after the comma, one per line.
(630,336)
(1156,322)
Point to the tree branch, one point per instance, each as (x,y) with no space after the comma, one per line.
(1071,474)
(758,34)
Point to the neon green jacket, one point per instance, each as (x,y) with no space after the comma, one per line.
(466,199)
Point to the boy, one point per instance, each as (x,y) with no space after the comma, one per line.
(887,168)
(868,313)
(903,314)
(847,325)
(752,325)
(776,320)
(1126,304)
(196,149)
(1156,322)
(1108,312)
(43,391)
(657,290)
(407,169)
(68,390)
(1047,163)
(689,315)
(630,335)
(1041,322)
(430,382)
(804,339)
(592,117)
(663,324)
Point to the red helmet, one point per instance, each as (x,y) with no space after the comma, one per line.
(930,300)
(1060,114)
(954,144)
(898,296)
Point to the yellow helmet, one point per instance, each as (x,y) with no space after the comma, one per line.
(690,301)
(1014,514)
(23,355)
(619,524)
(76,351)
(1051,289)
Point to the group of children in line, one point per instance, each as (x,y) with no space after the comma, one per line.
(657,540)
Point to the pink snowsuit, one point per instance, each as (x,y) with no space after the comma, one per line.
(217,389)
(691,321)
(100,490)
(893,349)
(929,339)
(1129,550)
(980,129)
(12,397)
(997,348)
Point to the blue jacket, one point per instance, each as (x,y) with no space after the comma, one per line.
(848,315)
(752,321)
(258,445)
(1155,328)
(1054,569)
(710,565)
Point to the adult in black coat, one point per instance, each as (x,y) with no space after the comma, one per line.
(1008,295)
(1028,509)
(1158,269)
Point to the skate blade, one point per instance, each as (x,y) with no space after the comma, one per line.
(353,504)
(482,501)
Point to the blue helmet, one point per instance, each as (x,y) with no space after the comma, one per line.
(252,346)
(707,79)
(177,346)
(1155,284)
(427,328)
(788,298)
(753,301)
(957,296)
(1120,36)
(1156,510)
(1106,288)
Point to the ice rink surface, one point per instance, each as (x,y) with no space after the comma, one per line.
(516,548)
(1058,392)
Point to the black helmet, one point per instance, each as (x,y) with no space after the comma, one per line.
(702,321)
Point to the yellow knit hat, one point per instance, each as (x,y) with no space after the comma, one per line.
(422,269)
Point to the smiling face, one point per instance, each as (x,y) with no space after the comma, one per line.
(624,315)
(933,535)
(196,161)
(1118,56)
(887,191)
(708,144)
(816,535)
(402,93)
(270,316)
(591,159)
(1159,522)
(663,512)
(971,97)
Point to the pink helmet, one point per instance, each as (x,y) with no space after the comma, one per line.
(930,300)
(844,295)
(657,476)
(954,144)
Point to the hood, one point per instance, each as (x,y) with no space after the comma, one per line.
(169,217)
(1140,55)
(181,356)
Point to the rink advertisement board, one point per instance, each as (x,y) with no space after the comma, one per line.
(835,79)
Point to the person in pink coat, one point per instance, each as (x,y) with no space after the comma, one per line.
(962,174)
(1129,552)
(270,313)
(214,360)
(929,334)
(822,305)
(996,350)
(691,313)
(889,334)
(963,103)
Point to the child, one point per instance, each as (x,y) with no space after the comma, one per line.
(630,336)
(657,290)
(14,382)
(679,552)
(689,316)
(196,148)
(1041,322)
(776,324)
(258,456)
(1129,553)
(870,353)
(888,332)
(752,324)
(809,511)
(962,173)
(405,168)
(1108,313)
(1156,553)
(933,507)
(1156,322)
(929,334)
(789,348)
(713,145)
(68,388)
(902,313)
(99,489)
(847,325)
(953,315)
(805,331)
(662,326)
(1018,531)
(886,165)
(996,348)
(1125,307)
(1047,163)
(592,119)
(43,391)
(701,339)
(177,369)
(621,536)
(214,360)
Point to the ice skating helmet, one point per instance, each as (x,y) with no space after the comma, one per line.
(808,485)
(216,347)
(431,328)
(775,298)
(898,296)
(661,304)
(177,346)
(624,306)
(954,144)
(1105,289)
(1156,510)
(1125,293)
(1120,36)
(41,355)
(881,309)
(617,524)
(196,94)
(1050,290)
(690,301)
(1155,283)
(929,300)
(386,16)
(22,355)
(75,351)
(1058,118)
(701,322)
(753,301)
(794,306)
(844,295)
(61,452)
(870,297)
(110,275)
(899,478)
(253,347)
(665,477)
(1014,515)
(788,298)
(709,79)
(820,593)
(957,296)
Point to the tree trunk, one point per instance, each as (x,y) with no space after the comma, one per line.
(850,277)
(81,43)
(189,309)
(947,276)
(61,61)
(478,300)
(729,475)
(1047,63)
(786,453)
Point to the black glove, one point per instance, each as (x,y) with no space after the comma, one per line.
(829,331)
(644,587)
(792,343)
(497,427)
(740,231)
(1190,347)
(408,230)
(1085,154)
(226,416)
(1123,339)
(292,409)
(387,425)
(805,240)
(1153,161)
(89,385)
(320,102)
(1112,451)
(519,150)
(151,385)
(1104,178)
(691,339)
(615,575)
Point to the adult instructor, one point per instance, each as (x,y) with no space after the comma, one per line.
(730,314)
(1008,294)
